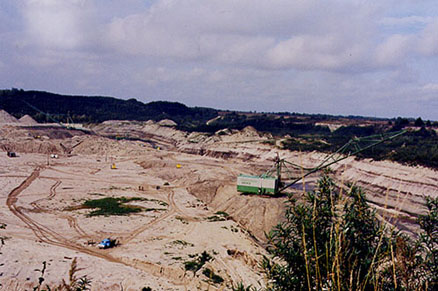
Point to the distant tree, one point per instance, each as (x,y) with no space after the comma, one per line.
(400,123)
(428,123)
(419,122)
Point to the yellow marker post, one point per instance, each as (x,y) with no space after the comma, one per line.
(178,166)
(113,166)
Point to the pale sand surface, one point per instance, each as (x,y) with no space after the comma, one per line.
(156,243)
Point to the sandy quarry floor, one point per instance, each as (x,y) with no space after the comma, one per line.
(154,244)
(38,222)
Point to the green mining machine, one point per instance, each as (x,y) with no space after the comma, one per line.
(281,175)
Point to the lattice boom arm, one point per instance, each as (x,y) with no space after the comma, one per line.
(353,147)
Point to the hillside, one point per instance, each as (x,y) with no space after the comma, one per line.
(87,109)
(301,132)
(83,109)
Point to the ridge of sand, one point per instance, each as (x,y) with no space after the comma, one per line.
(27,120)
(6,117)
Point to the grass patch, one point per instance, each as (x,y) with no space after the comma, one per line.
(155,209)
(182,243)
(182,219)
(159,202)
(219,216)
(111,206)
(212,276)
(216,218)
(3,238)
(96,194)
(198,262)
(222,213)
(112,187)
(234,229)
(115,206)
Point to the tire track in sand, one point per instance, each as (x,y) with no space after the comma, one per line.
(142,228)
(175,275)
(72,221)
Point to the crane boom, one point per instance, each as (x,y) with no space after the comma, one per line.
(271,181)
(351,148)
(42,112)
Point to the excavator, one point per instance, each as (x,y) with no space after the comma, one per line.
(273,182)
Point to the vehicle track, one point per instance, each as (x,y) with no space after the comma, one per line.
(46,235)
(72,221)
(79,174)
(41,232)
(53,189)
(170,212)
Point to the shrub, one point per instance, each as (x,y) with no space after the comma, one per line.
(429,241)
(335,242)
(196,264)
(212,276)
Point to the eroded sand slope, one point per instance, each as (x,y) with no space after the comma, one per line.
(183,206)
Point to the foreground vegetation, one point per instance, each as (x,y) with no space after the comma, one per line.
(112,206)
(335,241)
(74,282)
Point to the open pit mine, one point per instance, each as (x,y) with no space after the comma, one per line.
(178,210)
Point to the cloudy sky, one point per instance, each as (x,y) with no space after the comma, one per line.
(373,58)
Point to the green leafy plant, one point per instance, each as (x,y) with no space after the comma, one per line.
(212,276)
(199,261)
(327,242)
(334,241)
(182,219)
(429,240)
(241,287)
(182,243)
(75,283)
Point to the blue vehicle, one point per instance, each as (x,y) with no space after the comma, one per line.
(107,243)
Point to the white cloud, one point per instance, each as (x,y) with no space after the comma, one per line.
(315,52)
(428,43)
(56,23)
(412,20)
(431,87)
(394,50)
(284,34)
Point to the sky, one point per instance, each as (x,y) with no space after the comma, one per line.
(369,58)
